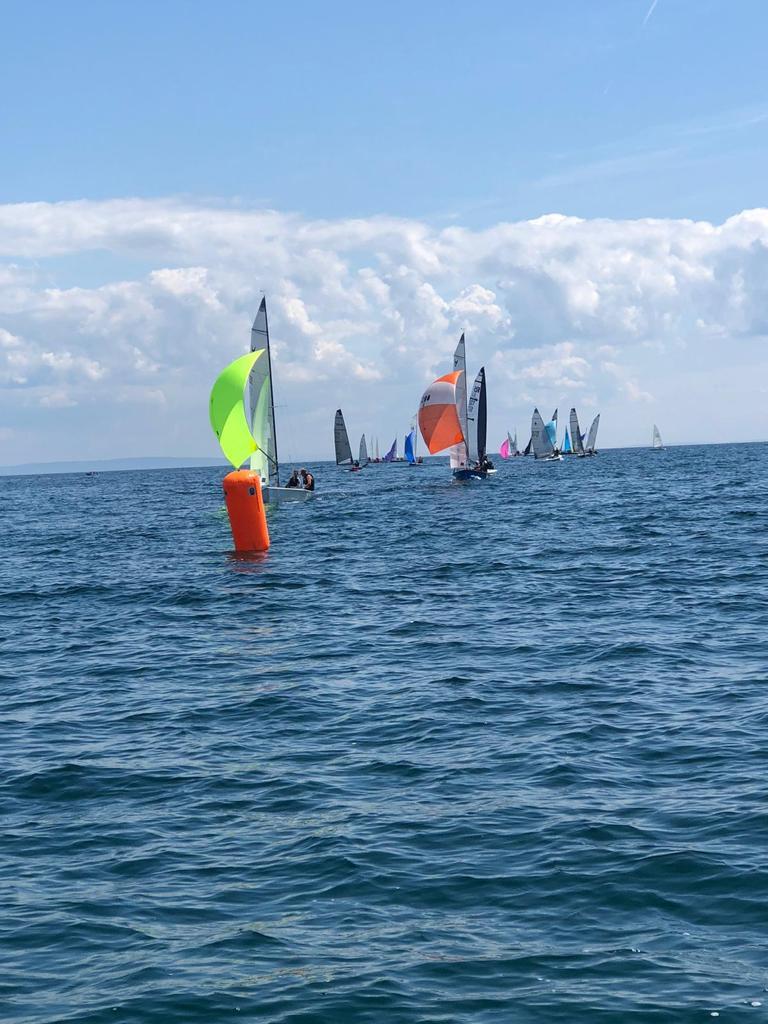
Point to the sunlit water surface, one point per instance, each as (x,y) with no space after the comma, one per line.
(448,753)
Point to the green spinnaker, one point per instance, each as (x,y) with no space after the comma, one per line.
(227,409)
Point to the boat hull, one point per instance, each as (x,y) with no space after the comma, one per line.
(275,495)
(470,474)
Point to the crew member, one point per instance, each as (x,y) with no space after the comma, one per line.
(309,480)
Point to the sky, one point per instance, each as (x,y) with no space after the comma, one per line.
(580,186)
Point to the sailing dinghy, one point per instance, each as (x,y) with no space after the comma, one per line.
(363,459)
(576,437)
(409,447)
(341,443)
(589,447)
(261,409)
(541,439)
(657,444)
(448,422)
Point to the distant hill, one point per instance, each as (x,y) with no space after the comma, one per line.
(106,465)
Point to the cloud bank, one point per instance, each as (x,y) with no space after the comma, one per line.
(115,316)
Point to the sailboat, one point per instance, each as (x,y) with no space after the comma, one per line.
(363,460)
(551,429)
(409,448)
(448,422)
(391,455)
(541,440)
(576,438)
(341,442)
(657,444)
(508,447)
(261,409)
(242,435)
(589,447)
(567,449)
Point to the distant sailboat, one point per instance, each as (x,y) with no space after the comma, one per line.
(504,447)
(363,460)
(589,447)
(341,441)
(541,439)
(411,442)
(657,444)
(551,429)
(449,422)
(392,453)
(261,408)
(567,450)
(513,449)
(576,438)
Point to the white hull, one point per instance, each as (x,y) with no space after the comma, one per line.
(273,495)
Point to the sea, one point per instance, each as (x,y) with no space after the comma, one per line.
(487,752)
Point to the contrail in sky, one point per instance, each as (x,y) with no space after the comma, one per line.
(651,9)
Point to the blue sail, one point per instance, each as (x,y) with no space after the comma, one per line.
(551,429)
(567,442)
(390,456)
(409,448)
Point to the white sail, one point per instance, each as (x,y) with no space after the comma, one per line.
(592,435)
(262,404)
(473,419)
(576,442)
(540,439)
(363,452)
(376,450)
(457,456)
(460,363)
(341,439)
(657,442)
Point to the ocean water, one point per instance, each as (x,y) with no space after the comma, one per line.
(481,753)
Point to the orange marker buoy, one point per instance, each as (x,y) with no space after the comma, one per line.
(245,505)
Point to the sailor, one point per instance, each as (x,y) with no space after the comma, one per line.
(294,481)
(309,480)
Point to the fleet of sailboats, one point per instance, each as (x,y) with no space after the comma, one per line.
(452,418)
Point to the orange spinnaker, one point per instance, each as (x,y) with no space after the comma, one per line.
(438,416)
(245,505)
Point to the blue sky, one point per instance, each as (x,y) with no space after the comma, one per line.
(443,117)
(432,110)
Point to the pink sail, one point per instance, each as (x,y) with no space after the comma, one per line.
(504,450)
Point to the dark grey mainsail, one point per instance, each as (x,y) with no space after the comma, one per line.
(341,440)
(576,442)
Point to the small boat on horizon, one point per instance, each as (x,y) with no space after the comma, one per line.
(657,444)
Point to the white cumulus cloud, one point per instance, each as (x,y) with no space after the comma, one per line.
(120,313)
